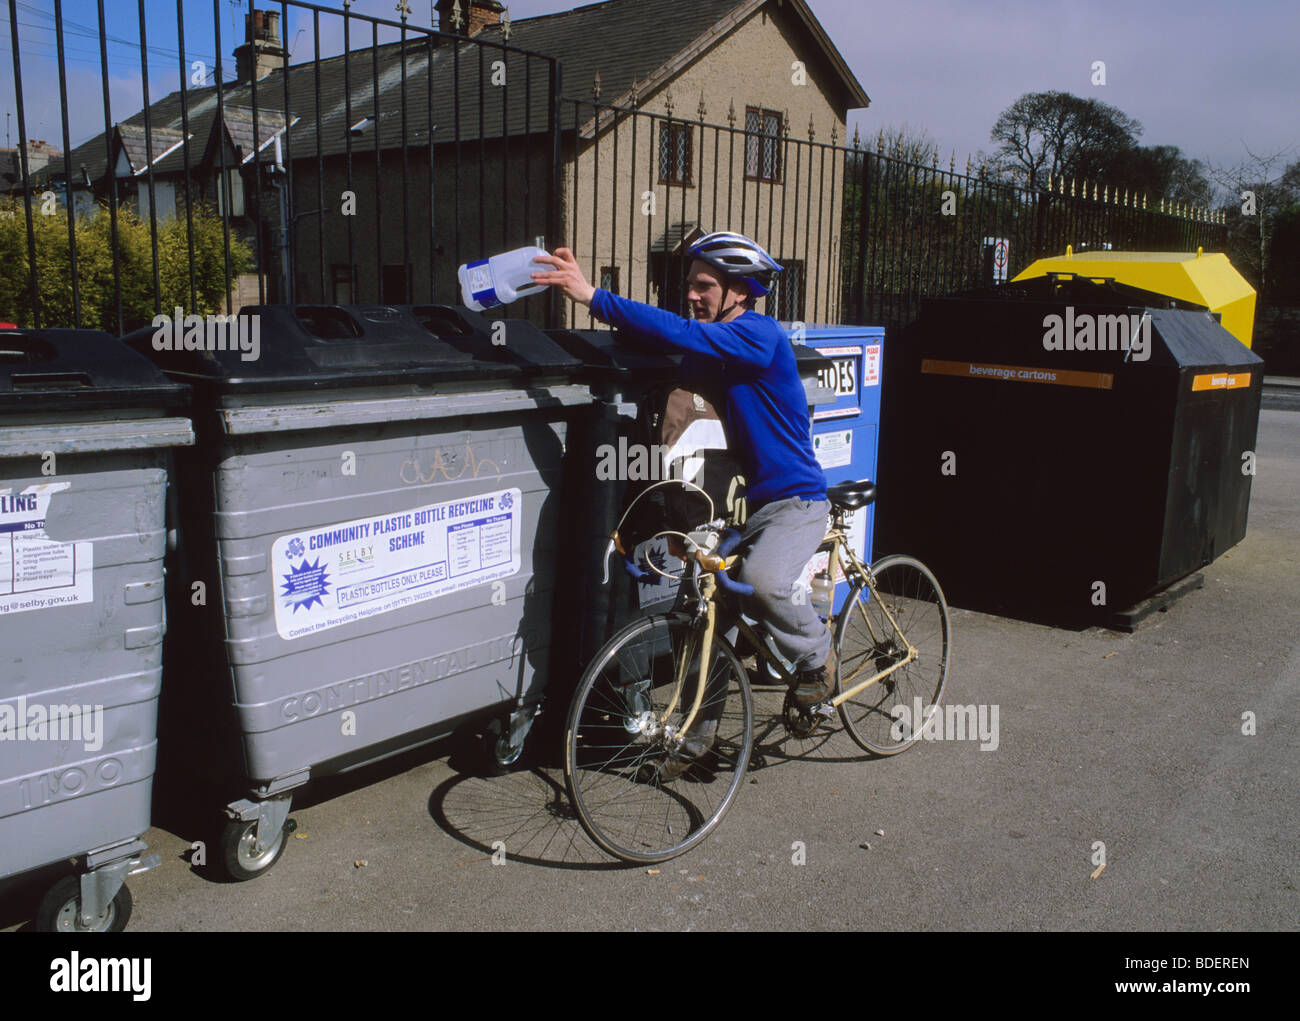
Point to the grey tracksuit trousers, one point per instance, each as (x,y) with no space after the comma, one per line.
(780,538)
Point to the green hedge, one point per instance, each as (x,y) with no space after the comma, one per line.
(95,266)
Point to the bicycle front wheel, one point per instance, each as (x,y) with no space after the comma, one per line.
(889,716)
(634,796)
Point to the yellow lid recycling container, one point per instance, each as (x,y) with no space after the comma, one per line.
(1207,278)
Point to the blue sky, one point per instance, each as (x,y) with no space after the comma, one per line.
(1209,77)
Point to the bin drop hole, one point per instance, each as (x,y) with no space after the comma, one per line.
(441,321)
(328,322)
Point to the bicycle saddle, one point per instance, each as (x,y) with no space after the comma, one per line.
(852,495)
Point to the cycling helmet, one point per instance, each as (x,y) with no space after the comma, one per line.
(737,256)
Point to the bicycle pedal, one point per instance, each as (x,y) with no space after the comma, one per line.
(822,709)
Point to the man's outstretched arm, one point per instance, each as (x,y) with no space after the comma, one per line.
(730,342)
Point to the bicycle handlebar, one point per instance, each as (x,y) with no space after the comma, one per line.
(639,575)
(730,540)
(738,588)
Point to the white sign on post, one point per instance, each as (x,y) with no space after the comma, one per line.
(1001,257)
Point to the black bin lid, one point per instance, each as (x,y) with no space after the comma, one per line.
(337,346)
(56,370)
(1184,335)
(607,354)
(525,348)
(1198,341)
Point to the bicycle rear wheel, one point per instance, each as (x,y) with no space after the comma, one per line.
(888,717)
(619,736)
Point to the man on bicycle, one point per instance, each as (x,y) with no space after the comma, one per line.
(732,349)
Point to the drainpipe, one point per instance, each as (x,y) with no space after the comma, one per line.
(277,179)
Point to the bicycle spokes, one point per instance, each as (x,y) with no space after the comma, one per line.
(645,788)
(894,634)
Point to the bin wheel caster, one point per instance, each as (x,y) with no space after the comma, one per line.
(60,910)
(500,757)
(241,860)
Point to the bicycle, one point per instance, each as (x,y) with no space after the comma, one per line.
(660,729)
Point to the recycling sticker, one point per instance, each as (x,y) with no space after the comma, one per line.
(336,574)
(37,572)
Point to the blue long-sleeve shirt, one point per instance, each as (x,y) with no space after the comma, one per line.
(751,360)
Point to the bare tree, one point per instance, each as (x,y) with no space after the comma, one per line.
(906,143)
(1257,189)
(1059,134)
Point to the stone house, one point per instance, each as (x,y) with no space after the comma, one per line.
(406,158)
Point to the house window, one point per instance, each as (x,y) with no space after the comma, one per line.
(165,194)
(342,284)
(762,145)
(609,279)
(674,153)
(236,182)
(785,302)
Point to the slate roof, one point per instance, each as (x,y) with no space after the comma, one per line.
(239,125)
(137,147)
(627,41)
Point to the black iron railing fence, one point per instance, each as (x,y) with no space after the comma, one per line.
(369,170)
(863,236)
(912,231)
(363,174)
(639,186)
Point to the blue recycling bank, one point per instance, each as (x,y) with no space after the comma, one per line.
(846,432)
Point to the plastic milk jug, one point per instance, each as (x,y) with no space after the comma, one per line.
(502,278)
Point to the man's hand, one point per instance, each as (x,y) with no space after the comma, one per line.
(567,276)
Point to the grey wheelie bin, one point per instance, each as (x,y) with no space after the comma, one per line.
(368,545)
(85,436)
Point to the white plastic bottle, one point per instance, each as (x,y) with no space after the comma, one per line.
(823,593)
(502,278)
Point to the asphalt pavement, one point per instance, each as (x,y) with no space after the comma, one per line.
(1131,741)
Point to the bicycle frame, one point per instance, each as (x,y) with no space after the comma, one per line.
(855,569)
(685,659)
(858,569)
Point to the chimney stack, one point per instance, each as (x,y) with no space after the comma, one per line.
(261,49)
(481,14)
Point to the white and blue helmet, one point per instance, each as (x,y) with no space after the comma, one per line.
(738,256)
